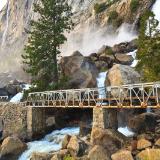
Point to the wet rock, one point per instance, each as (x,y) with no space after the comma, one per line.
(125,47)
(104,50)
(143,122)
(12,146)
(65,141)
(124,59)
(81,71)
(143,143)
(122,155)
(149,154)
(109,139)
(103,66)
(40,156)
(98,153)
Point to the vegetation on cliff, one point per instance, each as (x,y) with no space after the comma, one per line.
(149,48)
(45,38)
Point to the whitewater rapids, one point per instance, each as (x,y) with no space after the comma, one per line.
(51,142)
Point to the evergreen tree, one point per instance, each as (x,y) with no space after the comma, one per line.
(45,39)
(149,48)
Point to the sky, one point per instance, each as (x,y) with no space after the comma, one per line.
(2,3)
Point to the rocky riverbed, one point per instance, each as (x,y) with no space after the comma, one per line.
(100,144)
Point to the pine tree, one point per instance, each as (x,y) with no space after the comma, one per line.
(45,39)
(149,48)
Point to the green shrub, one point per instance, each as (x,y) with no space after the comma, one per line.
(68,157)
(114,19)
(99,7)
(134,5)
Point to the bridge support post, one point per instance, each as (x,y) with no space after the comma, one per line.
(105,118)
(36,122)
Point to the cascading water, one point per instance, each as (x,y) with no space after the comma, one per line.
(2,4)
(101,84)
(133,54)
(51,142)
(7,24)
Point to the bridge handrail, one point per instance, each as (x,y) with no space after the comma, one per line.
(138,85)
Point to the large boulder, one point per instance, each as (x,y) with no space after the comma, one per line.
(81,71)
(122,74)
(122,155)
(12,146)
(124,59)
(143,143)
(143,122)
(149,154)
(40,156)
(76,147)
(98,153)
(107,138)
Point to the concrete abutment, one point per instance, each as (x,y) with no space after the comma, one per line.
(30,122)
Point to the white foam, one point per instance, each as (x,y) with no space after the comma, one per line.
(51,142)
(89,38)
(17,98)
(101,84)
(133,54)
(126,131)
(2,4)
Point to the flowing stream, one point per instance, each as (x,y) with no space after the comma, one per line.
(51,142)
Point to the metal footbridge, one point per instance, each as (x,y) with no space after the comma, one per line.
(140,95)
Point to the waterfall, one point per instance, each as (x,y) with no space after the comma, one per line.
(126,131)
(133,54)
(101,84)
(7,24)
(51,142)
(2,4)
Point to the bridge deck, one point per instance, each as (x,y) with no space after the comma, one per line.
(126,96)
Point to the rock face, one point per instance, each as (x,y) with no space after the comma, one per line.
(80,70)
(84,18)
(12,146)
(121,74)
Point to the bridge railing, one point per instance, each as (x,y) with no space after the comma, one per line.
(132,95)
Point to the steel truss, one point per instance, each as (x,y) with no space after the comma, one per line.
(131,95)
